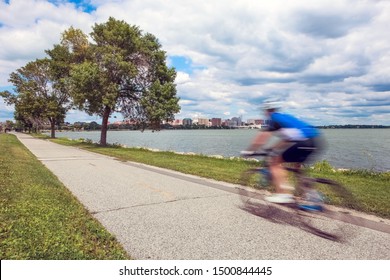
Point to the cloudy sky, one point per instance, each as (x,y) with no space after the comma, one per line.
(328,61)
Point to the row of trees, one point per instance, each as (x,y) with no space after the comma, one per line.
(116,69)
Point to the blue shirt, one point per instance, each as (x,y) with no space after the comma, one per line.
(290,128)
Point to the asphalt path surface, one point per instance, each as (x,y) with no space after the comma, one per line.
(160,214)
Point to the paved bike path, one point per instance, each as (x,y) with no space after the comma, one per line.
(160,214)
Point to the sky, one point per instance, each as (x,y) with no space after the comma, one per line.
(326,61)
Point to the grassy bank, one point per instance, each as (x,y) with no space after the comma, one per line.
(40,218)
(371,190)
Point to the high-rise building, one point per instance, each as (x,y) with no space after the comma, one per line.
(236,121)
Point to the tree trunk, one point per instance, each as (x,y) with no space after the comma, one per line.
(53,128)
(103,134)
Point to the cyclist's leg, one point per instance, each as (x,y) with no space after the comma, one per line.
(299,153)
(279,175)
(280,181)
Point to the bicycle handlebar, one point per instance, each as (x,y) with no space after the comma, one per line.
(256,154)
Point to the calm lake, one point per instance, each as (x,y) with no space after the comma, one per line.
(346,148)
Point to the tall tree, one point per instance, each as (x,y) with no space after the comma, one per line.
(124,71)
(37,97)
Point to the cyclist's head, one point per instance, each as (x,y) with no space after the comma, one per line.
(271,106)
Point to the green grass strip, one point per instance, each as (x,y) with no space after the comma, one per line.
(40,218)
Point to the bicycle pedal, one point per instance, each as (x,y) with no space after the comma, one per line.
(305,207)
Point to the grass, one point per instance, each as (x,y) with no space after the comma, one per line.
(40,218)
(371,190)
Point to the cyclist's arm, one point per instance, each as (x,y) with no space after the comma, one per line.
(260,140)
(281,145)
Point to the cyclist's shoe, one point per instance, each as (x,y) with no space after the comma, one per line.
(280,198)
(307,207)
(287,187)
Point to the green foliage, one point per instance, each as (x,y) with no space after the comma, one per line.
(87,90)
(75,44)
(40,218)
(122,70)
(160,103)
(38,97)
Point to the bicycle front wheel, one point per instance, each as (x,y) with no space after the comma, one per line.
(335,223)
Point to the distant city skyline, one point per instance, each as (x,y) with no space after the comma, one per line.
(327,61)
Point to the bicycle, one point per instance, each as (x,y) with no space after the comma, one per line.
(311,208)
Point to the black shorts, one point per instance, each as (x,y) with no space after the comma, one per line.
(300,151)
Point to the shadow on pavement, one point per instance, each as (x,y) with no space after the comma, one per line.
(312,223)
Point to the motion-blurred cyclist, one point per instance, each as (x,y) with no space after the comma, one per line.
(297,141)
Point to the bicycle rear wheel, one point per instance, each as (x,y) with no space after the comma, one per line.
(254,187)
(331,222)
(254,177)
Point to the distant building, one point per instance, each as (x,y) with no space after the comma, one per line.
(187,121)
(236,122)
(202,121)
(255,122)
(177,122)
(216,122)
(229,123)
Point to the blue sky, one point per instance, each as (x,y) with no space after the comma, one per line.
(85,6)
(328,61)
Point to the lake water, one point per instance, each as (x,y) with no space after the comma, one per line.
(346,148)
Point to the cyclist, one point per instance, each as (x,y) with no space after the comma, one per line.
(297,141)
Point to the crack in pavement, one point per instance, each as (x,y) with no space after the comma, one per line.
(157,203)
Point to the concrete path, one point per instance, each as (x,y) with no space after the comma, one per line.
(160,214)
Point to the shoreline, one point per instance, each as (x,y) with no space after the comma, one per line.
(333,169)
(364,127)
(359,149)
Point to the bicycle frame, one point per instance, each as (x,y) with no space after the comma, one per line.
(303,186)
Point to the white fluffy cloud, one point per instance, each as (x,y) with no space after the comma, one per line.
(328,60)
